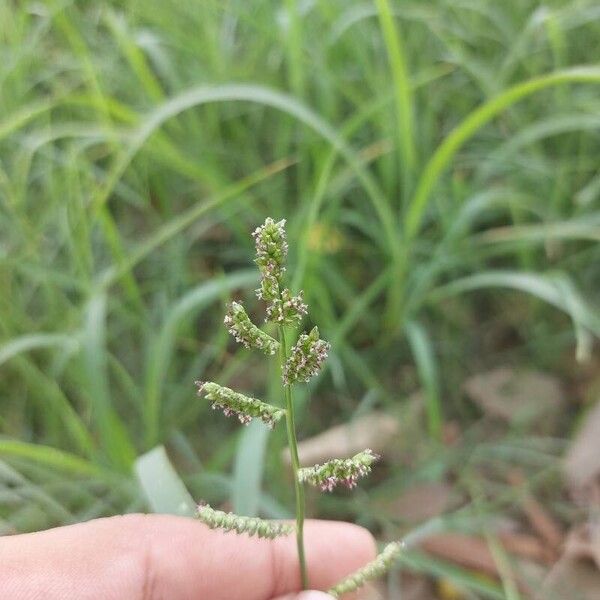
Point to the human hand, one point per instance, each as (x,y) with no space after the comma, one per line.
(158,557)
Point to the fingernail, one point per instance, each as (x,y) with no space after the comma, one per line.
(314,596)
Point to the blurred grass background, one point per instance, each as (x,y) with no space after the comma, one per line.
(436,161)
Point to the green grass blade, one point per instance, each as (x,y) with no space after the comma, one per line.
(51,457)
(403,92)
(248,470)
(161,349)
(178,224)
(428,374)
(469,126)
(162,487)
(199,96)
(556,290)
(35,341)
(114,439)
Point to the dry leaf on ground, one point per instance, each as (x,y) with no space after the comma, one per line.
(375,430)
(584,542)
(582,462)
(576,576)
(540,519)
(571,579)
(422,502)
(520,396)
(473,552)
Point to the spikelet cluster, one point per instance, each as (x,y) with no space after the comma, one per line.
(271,252)
(217,519)
(306,358)
(240,406)
(245,332)
(372,570)
(339,471)
(287,310)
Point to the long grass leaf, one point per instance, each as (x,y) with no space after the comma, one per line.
(160,352)
(248,470)
(469,126)
(162,487)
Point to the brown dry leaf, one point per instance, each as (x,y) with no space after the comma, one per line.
(540,519)
(582,462)
(526,546)
(584,542)
(375,430)
(473,552)
(520,396)
(465,550)
(423,501)
(571,579)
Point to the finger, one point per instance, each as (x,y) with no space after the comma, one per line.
(141,557)
(308,595)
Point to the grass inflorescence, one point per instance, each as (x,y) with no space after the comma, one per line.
(437,165)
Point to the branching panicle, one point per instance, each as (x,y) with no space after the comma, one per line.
(372,570)
(236,404)
(217,519)
(306,359)
(246,332)
(303,362)
(339,471)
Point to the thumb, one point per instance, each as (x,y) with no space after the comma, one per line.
(310,595)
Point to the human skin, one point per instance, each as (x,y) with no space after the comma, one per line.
(159,557)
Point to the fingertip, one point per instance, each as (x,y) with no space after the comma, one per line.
(336,549)
(308,595)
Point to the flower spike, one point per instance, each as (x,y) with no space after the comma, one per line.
(287,310)
(306,359)
(271,252)
(236,404)
(345,471)
(217,519)
(372,570)
(246,332)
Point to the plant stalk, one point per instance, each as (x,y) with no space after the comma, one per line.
(293,444)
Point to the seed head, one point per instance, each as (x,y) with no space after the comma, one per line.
(339,471)
(271,252)
(247,333)
(376,568)
(237,405)
(306,358)
(217,519)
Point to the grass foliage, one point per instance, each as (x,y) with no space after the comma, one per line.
(435,161)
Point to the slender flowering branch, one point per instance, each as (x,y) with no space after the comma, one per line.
(306,359)
(370,571)
(246,332)
(236,404)
(303,362)
(217,519)
(339,471)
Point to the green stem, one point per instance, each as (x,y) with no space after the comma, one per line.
(293,444)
